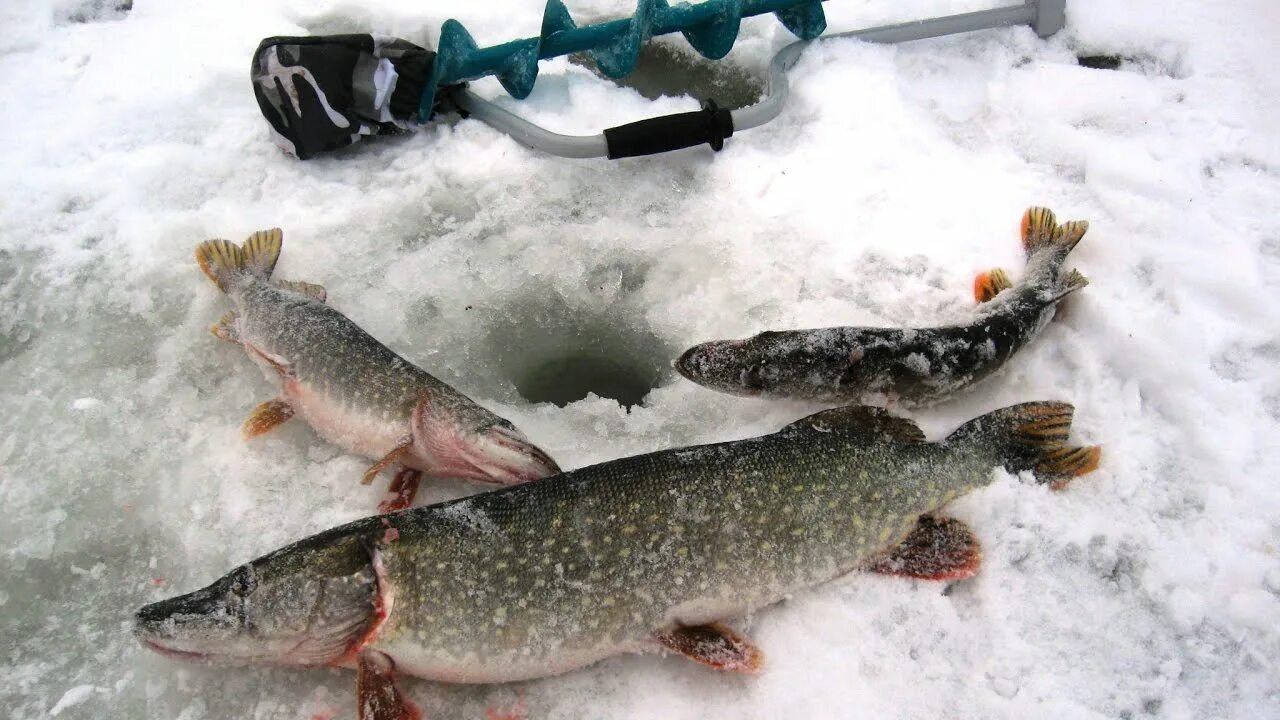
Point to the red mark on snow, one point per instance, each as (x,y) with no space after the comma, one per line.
(518,712)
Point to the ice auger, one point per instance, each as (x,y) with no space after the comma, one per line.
(326,92)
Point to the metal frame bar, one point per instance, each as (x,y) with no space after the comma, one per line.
(1046,17)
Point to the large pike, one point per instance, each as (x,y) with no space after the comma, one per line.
(632,555)
(354,391)
(913,366)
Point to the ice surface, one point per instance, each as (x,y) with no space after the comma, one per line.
(1150,588)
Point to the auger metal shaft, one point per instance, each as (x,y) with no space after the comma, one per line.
(711,27)
(1046,17)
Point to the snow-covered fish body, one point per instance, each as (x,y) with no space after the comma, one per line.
(915,366)
(636,554)
(353,390)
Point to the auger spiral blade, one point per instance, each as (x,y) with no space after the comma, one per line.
(711,27)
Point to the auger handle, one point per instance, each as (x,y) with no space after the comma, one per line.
(711,125)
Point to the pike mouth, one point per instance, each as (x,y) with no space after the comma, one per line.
(699,362)
(185,655)
(158,624)
(715,364)
(504,456)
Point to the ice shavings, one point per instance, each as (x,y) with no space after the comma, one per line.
(72,698)
(1150,588)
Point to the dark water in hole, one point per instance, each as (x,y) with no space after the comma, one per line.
(1100,62)
(567,379)
(555,352)
(551,349)
(665,70)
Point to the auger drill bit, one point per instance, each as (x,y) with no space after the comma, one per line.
(711,27)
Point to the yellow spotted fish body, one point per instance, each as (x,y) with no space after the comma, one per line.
(631,555)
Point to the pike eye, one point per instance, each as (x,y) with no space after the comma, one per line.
(244,582)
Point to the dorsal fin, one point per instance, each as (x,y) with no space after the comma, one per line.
(311,290)
(860,421)
(990,283)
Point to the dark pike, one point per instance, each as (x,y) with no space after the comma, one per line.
(640,554)
(354,391)
(914,366)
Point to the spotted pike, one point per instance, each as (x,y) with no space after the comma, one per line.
(638,554)
(354,391)
(914,366)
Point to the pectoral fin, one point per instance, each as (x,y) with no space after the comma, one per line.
(402,490)
(713,644)
(266,417)
(937,549)
(277,363)
(377,695)
(389,459)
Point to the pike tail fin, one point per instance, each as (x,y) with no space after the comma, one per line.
(1032,436)
(1040,231)
(224,262)
(221,260)
(262,250)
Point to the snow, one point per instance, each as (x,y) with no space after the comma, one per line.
(1150,588)
(71,698)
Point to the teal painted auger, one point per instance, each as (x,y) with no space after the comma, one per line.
(711,27)
(323,93)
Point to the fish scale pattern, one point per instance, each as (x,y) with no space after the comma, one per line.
(711,27)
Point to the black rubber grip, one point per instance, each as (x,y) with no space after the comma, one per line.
(712,124)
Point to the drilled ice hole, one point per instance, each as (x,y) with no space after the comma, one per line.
(663,69)
(553,352)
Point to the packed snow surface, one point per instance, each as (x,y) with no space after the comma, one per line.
(1150,588)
